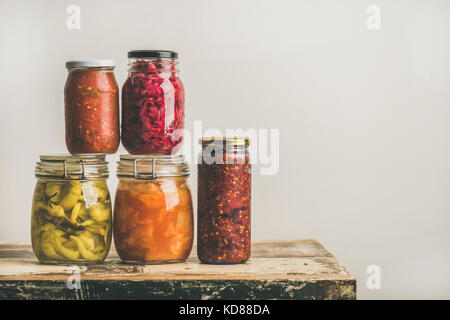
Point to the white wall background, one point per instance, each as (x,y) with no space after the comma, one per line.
(363,114)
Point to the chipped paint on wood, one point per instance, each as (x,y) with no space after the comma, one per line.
(278,270)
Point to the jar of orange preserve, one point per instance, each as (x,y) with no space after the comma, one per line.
(153,214)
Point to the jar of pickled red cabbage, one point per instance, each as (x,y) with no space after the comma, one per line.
(71,214)
(153,215)
(152,103)
(91,100)
(224,201)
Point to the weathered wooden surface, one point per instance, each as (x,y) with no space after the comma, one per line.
(277,270)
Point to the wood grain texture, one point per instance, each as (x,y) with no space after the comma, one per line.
(300,269)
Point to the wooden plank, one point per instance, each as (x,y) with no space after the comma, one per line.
(300,269)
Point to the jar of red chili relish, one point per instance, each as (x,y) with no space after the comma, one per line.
(91,101)
(224,196)
(152,103)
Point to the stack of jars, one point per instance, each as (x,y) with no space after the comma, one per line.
(153,213)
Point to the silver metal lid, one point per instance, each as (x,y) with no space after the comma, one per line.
(70,167)
(151,167)
(90,63)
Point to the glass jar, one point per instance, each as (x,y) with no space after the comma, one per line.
(152,103)
(224,201)
(91,99)
(153,215)
(71,213)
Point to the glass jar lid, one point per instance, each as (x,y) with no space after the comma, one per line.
(150,167)
(72,167)
(229,141)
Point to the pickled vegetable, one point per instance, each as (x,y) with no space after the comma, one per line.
(153,221)
(65,227)
(152,108)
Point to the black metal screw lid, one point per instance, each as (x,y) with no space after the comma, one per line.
(152,54)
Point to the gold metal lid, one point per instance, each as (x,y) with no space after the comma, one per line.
(230,141)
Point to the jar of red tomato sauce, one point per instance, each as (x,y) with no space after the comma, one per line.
(224,201)
(91,100)
(152,103)
(153,212)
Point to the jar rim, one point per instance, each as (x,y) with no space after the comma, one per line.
(151,167)
(72,167)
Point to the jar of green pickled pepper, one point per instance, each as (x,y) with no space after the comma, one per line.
(71,213)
